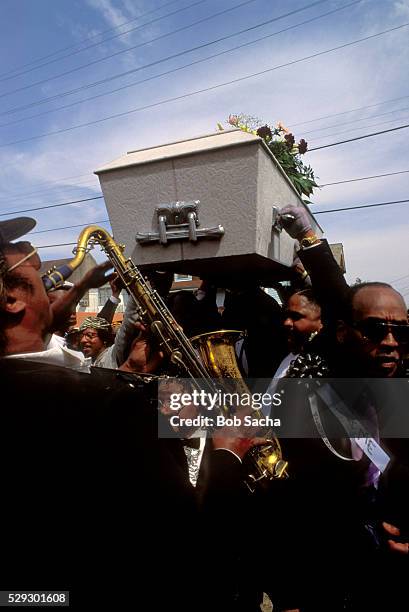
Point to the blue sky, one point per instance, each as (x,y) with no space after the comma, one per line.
(37,36)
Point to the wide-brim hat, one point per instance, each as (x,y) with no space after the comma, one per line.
(15,228)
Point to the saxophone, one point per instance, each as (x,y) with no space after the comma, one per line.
(216,349)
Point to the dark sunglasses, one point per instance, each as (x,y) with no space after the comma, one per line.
(375,331)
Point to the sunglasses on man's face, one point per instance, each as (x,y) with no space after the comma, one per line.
(376,331)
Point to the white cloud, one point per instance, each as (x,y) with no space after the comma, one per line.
(375,242)
(112,14)
(117,13)
(402,8)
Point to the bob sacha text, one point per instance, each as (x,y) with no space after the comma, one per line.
(222,421)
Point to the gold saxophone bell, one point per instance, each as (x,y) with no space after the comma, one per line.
(216,349)
(266,463)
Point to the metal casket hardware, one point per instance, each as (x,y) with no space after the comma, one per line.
(179,221)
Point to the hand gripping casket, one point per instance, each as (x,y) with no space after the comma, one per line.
(204,206)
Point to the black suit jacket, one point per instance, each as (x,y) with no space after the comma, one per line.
(73,458)
(328,282)
(392,504)
(93,502)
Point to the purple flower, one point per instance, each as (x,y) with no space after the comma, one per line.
(290,140)
(264,132)
(302,146)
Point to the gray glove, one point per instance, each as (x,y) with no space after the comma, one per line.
(295,220)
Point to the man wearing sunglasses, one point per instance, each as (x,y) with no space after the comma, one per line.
(374,331)
(23,299)
(369,320)
(367,336)
(68,453)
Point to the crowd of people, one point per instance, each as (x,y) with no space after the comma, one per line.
(87,478)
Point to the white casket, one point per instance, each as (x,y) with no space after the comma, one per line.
(203,206)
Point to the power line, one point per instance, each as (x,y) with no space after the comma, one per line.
(102,42)
(320,212)
(324,212)
(103,58)
(395,280)
(333,144)
(336,125)
(157,76)
(315,213)
(164,59)
(352,110)
(49,246)
(86,39)
(111,55)
(404,291)
(365,178)
(12,212)
(59,180)
(207,89)
(363,127)
(80,185)
(55,229)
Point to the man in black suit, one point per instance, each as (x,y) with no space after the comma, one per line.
(68,452)
(78,450)
(345,502)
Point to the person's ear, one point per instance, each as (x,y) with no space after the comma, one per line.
(14,305)
(341,332)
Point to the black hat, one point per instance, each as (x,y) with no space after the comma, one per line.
(15,228)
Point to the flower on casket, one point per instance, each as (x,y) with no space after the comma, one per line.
(281,143)
(302,147)
(264,132)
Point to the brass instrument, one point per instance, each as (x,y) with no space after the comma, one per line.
(215,348)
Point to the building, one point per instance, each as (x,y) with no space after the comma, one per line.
(94,299)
